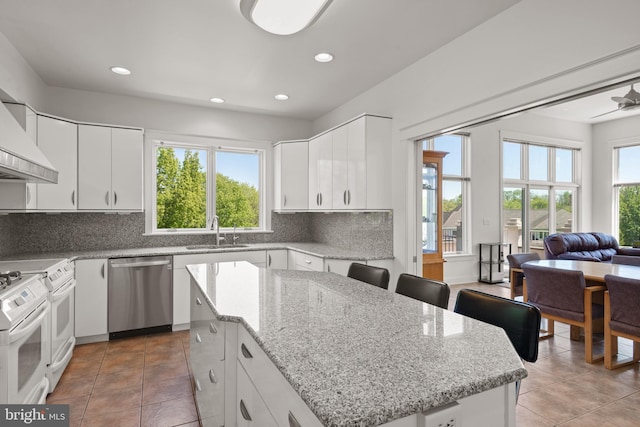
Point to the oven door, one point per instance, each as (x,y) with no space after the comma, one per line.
(62,331)
(27,355)
(62,318)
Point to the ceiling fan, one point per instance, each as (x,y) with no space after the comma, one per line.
(628,102)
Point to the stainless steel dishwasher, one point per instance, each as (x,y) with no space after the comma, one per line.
(140,295)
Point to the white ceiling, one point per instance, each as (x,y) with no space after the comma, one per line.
(188,51)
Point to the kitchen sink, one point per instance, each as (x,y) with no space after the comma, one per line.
(214,246)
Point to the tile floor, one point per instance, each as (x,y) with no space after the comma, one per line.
(141,381)
(144,381)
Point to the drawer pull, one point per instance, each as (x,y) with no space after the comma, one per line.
(307,261)
(292,421)
(212,376)
(198,302)
(244,412)
(198,386)
(212,328)
(198,339)
(245,352)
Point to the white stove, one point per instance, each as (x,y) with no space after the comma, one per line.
(58,277)
(24,339)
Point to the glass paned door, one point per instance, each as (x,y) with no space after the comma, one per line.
(512,216)
(430,218)
(538,214)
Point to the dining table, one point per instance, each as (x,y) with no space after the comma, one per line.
(593,271)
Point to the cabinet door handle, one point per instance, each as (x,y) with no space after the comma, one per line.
(198,339)
(317,199)
(198,386)
(212,377)
(344,197)
(320,199)
(198,302)
(244,412)
(292,421)
(106,199)
(102,271)
(245,352)
(28,194)
(269,260)
(73,197)
(115,198)
(307,261)
(348,197)
(284,201)
(212,328)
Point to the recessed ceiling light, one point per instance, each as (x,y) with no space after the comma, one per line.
(282,97)
(217,100)
(324,57)
(121,70)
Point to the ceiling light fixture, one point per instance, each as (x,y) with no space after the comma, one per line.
(121,70)
(283,17)
(217,100)
(282,97)
(324,57)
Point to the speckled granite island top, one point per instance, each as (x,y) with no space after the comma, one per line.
(355,353)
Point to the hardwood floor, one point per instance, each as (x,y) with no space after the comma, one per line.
(144,381)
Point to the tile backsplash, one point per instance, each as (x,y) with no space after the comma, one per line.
(68,232)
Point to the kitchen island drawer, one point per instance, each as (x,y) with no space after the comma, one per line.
(286,406)
(308,262)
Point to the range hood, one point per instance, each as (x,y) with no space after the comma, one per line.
(20,158)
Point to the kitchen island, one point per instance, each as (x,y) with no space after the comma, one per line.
(351,353)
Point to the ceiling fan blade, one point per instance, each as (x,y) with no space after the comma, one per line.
(604,114)
(622,100)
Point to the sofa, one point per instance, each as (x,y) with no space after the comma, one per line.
(593,246)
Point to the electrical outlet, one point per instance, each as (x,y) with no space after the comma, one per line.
(444,416)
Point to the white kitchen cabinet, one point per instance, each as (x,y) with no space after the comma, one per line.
(302,261)
(283,403)
(291,175)
(251,411)
(91,299)
(109,168)
(206,357)
(349,166)
(58,140)
(321,172)
(339,266)
(17,195)
(277,258)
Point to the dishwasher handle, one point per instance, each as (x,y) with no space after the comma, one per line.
(141,264)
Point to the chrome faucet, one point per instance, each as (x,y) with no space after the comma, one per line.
(215,225)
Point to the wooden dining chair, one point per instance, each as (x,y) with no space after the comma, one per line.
(621,319)
(562,295)
(376,276)
(426,290)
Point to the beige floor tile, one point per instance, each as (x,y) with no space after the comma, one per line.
(118,380)
(101,404)
(119,361)
(165,371)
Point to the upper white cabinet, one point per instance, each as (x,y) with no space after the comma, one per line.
(291,175)
(58,140)
(321,172)
(349,166)
(109,168)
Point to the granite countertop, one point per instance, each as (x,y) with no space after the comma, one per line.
(355,353)
(317,249)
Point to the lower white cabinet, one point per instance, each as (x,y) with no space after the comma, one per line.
(277,259)
(250,408)
(91,298)
(207,354)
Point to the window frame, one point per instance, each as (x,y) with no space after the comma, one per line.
(464,179)
(211,146)
(551,185)
(618,184)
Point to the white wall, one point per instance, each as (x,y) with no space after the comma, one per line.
(17,79)
(606,136)
(534,51)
